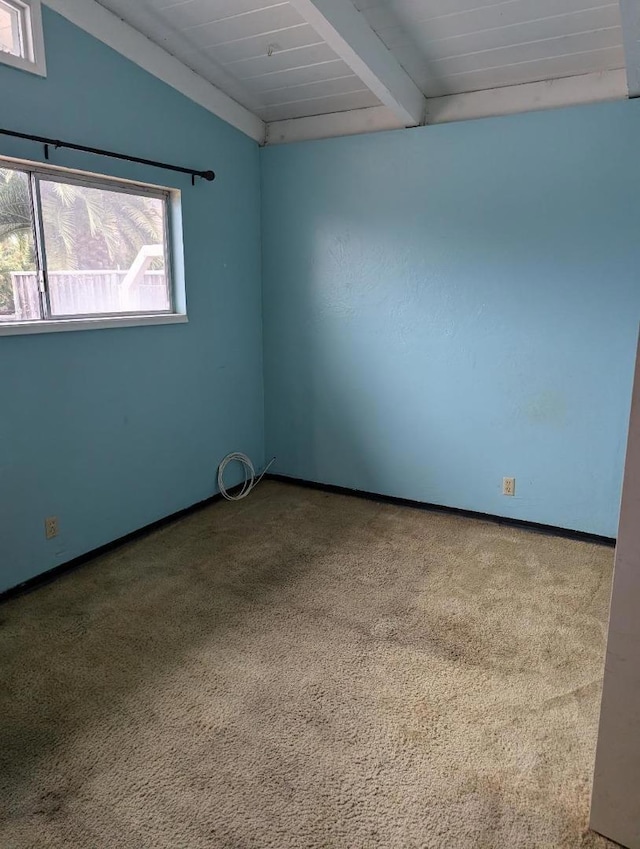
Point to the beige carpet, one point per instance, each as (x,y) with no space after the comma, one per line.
(307,670)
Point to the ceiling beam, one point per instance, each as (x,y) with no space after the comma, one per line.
(507,100)
(630,13)
(111,30)
(347,32)
(348,123)
(528,97)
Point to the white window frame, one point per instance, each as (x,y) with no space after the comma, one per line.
(30,12)
(175,314)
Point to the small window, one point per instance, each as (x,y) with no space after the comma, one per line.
(11,30)
(21,39)
(78,247)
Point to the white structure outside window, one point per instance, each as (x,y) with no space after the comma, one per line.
(21,38)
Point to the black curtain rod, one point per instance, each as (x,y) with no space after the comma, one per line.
(206,175)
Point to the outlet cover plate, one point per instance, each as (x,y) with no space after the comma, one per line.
(51,527)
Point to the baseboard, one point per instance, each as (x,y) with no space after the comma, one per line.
(537,527)
(52,574)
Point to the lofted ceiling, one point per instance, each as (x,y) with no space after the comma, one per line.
(263,53)
(455,46)
(371,64)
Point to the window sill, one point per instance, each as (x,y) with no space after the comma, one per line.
(21,327)
(21,64)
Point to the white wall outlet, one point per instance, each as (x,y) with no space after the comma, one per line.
(51,527)
(508,486)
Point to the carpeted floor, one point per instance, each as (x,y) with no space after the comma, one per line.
(304,670)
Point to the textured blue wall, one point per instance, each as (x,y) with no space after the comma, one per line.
(442,307)
(450,305)
(112,429)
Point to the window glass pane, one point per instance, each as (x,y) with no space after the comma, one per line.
(19,298)
(104,250)
(10,30)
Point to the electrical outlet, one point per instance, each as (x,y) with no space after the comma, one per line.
(508,486)
(51,527)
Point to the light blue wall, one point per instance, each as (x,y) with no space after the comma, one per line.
(450,305)
(112,429)
(442,307)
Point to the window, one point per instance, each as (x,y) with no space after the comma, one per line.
(77,247)
(11,30)
(21,39)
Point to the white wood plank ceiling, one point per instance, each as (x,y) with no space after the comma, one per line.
(381,63)
(261,52)
(455,46)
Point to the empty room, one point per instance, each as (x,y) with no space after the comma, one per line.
(319,424)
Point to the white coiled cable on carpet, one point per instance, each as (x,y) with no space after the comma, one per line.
(250,481)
